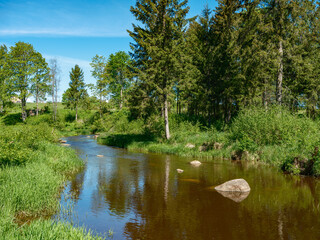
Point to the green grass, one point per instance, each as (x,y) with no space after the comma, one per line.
(33,169)
(276,137)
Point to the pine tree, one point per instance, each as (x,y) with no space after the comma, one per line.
(158,48)
(76,91)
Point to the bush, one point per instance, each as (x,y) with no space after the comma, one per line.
(19,143)
(256,127)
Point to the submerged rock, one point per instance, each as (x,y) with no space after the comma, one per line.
(179,170)
(195,163)
(100,156)
(235,196)
(236,185)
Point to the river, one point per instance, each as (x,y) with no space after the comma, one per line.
(141,196)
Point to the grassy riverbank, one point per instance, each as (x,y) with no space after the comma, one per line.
(276,137)
(33,170)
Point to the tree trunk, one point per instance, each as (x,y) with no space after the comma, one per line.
(166,117)
(53,106)
(264,96)
(76,112)
(121,99)
(1,107)
(280,75)
(100,105)
(37,102)
(23,109)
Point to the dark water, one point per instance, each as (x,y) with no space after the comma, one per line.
(141,196)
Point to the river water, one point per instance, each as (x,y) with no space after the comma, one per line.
(141,196)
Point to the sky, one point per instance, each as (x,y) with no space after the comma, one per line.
(73,32)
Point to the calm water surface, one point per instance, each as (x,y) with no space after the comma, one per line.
(141,196)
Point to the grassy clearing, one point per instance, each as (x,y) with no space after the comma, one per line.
(33,170)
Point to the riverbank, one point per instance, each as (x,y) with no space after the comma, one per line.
(33,170)
(275,137)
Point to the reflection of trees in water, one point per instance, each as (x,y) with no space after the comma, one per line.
(166,208)
(76,185)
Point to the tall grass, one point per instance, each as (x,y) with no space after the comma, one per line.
(33,170)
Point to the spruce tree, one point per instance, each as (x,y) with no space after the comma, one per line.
(76,91)
(158,48)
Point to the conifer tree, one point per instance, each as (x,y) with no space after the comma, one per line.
(158,48)
(76,91)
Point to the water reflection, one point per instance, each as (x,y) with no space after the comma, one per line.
(142,196)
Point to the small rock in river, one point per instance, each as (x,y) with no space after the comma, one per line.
(62,141)
(195,163)
(65,145)
(236,185)
(179,170)
(99,155)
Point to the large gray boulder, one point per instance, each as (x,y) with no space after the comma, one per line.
(236,185)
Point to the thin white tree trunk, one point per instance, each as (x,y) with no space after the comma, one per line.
(23,111)
(76,113)
(37,101)
(280,74)
(121,98)
(166,118)
(53,106)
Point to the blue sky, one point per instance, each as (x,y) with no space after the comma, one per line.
(73,31)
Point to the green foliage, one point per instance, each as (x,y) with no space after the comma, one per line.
(29,191)
(19,144)
(276,126)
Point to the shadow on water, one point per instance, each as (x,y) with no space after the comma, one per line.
(141,196)
(124,140)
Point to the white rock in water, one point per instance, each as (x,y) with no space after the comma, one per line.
(99,155)
(195,163)
(179,170)
(65,145)
(236,185)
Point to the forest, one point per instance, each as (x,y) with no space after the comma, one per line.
(237,82)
